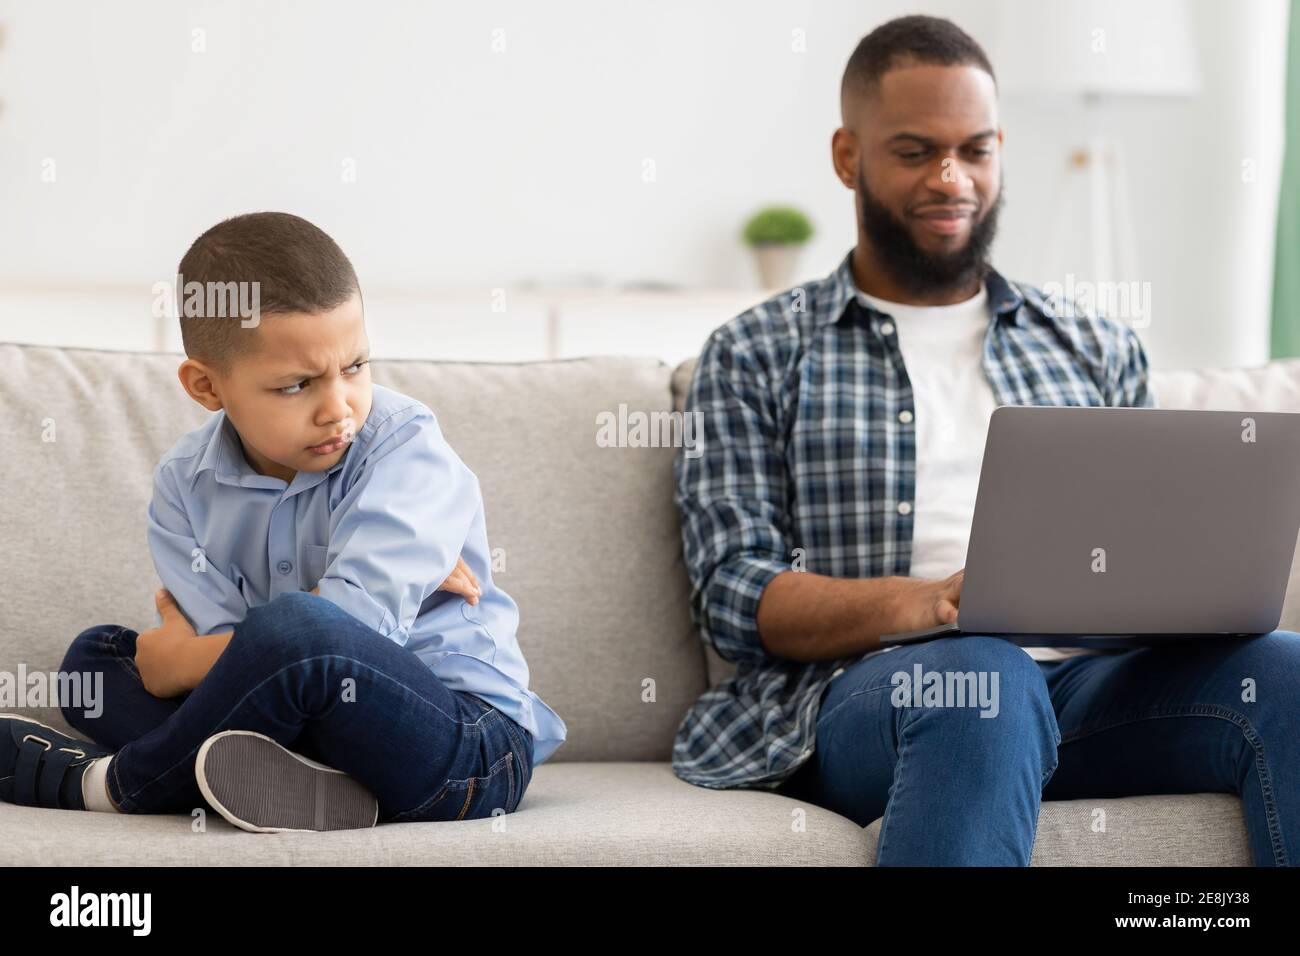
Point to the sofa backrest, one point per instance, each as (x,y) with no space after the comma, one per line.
(588,535)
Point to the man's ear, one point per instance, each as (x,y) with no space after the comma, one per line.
(845,156)
(197,380)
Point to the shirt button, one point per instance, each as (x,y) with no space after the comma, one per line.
(905,416)
(284,567)
(886,328)
(807,754)
(904,507)
(838,672)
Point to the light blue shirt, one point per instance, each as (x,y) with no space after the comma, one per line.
(379,532)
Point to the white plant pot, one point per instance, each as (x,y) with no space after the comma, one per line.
(777,263)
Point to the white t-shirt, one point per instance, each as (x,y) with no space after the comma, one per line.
(943,348)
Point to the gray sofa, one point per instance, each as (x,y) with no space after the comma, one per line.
(591,551)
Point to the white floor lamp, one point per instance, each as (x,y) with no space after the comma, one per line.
(1095,52)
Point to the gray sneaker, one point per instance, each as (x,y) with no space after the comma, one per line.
(259,786)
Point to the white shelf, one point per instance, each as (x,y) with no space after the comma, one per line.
(444,324)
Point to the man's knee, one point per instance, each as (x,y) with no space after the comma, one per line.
(981,654)
(1276,653)
(1257,677)
(980,686)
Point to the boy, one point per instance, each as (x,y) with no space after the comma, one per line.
(300,535)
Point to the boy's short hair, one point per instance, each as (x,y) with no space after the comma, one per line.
(297,268)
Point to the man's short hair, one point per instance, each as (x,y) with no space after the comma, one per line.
(297,268)
(904,41)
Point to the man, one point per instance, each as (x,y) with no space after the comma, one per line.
(844,429)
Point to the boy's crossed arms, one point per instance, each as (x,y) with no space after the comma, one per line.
(173,659)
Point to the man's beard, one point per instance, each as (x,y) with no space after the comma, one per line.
(910,266)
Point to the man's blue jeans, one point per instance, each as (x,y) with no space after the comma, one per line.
(314,679)
(955,788)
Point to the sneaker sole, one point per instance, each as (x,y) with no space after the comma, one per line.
(259,786)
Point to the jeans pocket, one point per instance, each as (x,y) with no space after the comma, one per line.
(470,798)
(490,741)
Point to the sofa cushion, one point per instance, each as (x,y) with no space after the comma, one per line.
(604,813)
(588,534)
(611,813)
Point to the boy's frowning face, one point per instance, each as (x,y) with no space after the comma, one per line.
(306,381)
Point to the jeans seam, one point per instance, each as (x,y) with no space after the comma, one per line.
(857,693)
(513,761)
(107,648)
(511,802)
(304,660)
(470,787)
(892,801)
(125,804)
(512,731)
(506,763)
(517,734)
(128,663)
(469,795)
(1252,737)
(446,788)
(898,766)
(504,721)
(1056,754)
(429,804)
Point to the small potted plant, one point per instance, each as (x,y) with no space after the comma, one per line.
(777,234)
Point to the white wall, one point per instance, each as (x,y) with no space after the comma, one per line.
(1205,239)
(477,169)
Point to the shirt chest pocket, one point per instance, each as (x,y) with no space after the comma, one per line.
(315,557)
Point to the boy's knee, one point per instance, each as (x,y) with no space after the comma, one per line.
(82,667)
(296,620)
(296,606)
(99,633)
(293,601)
(90,645)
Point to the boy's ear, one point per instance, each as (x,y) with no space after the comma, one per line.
(197,380)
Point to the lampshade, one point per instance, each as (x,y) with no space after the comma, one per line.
(1098,47)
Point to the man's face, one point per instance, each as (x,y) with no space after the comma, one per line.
(307,381)
(929,173)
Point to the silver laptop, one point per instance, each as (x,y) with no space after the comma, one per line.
(1112,527)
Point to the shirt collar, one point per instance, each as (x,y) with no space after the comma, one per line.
(224,456)
(1004,299)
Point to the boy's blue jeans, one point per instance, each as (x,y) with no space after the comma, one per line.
(957,789)
(314,679)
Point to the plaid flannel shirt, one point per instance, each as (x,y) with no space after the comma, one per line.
(807,453)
